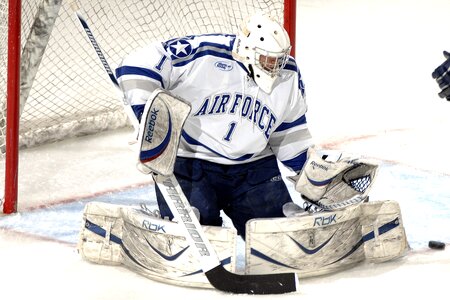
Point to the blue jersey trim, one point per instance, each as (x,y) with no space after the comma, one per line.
(212,48)
(127,70)
(291,65)
(204,53)
(209,45)
(301,85)
(286,125)
(193,141)
(215,45)
(138,110)
(297,162)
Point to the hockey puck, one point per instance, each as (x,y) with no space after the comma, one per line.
(436,245)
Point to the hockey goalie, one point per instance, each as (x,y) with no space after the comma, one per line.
(336,228)
(248,113)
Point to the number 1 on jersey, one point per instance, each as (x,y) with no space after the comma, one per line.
(230,131)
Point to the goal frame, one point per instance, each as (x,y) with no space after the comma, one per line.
(13,105)
(13,95)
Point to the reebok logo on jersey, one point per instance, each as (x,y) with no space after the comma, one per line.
(223,66)
(151,125)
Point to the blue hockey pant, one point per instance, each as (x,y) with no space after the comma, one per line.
(242,192)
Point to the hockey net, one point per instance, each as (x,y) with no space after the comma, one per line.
(64,90)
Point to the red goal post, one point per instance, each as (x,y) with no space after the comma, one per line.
(52,85)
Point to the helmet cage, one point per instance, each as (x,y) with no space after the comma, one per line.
(270,62)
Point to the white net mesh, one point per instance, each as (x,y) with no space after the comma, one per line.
(71,93)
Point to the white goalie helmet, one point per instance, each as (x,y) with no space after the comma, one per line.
(263,46)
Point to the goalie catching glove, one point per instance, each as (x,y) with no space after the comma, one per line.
(336,184)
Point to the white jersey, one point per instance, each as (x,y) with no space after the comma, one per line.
(232,120)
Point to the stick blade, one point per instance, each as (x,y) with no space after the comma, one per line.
(226,281)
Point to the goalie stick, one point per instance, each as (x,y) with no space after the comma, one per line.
(112,77)
(216,274)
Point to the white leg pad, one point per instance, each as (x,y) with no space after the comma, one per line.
(101,234)
(383,232)
(148,245)
(325,242)
(309,245)
(157,249)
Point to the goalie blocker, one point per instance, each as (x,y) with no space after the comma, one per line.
(160,131)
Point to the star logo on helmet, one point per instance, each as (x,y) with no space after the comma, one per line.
(180,48)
